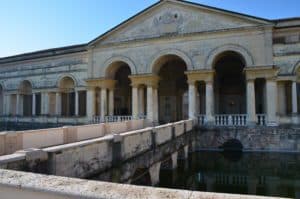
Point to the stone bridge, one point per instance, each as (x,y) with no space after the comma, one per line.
(116,157)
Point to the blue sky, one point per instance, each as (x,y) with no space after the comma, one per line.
(31,25)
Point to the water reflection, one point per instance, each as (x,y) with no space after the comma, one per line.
(270,174)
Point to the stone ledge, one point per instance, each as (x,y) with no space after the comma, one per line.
(86,189)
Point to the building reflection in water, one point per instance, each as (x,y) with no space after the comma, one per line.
(269,174)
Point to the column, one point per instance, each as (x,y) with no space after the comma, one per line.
(45,103)
(111,101)
(58,104)
(192,100)
(150,103)
(154,171)
(76,103)
(33,104)
(103,102)
(294,98)
(7,104)
(90,103)
(18,104)
(21,99)
(155,105)
(251,102)
(271,90)
(135,104)
(209,102)
(141,101)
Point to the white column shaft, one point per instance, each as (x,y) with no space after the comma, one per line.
(251,102)
(294,98)
(155,105)
(103,102)
(33,104)
(271,90)
(58,104)
(111,102)
(90,103)
(76,103)
(150,104)
(209,101)
(141,101)
(18,104)
(45,103)
(192,101)
(135,104)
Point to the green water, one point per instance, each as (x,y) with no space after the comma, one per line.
(268,174)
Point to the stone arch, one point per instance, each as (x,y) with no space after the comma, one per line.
(112,64)
(64,77)
(156,59)
(296,68)
(243,52)
(25,87)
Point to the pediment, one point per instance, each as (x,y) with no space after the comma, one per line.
(176,17)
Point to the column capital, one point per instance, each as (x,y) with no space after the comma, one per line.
(200,75)
(101,83)
(265,72)
(146,79)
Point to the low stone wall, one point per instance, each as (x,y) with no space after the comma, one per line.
(11,142)
(15,184)
(87,158)
(269,139)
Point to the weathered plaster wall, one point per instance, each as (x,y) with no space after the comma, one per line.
(45,72)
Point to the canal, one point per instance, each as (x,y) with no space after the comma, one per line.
(267,174)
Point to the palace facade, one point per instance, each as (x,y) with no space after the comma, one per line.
(172,61)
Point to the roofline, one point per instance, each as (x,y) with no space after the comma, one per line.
(181,1)
(286,19)
(44,53)
(122,23)
(84,47)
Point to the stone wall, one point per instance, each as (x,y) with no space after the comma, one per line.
(15,184)
(278,139)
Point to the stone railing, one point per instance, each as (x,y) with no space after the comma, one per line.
(261,119)
(46,119)
(100,153)
(112,118)
(17,140)
(231,120)
(201,119)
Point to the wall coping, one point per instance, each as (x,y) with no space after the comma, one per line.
(87,189)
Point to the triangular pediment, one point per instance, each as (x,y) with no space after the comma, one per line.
(176,17)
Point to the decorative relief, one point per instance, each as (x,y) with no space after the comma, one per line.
(168,22)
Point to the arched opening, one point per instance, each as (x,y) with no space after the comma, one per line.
(67,88)
(120,71)
(230,84)
(260,98)
(172,88)
(26,98)
(1,101)
(141,176)
(232,145)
